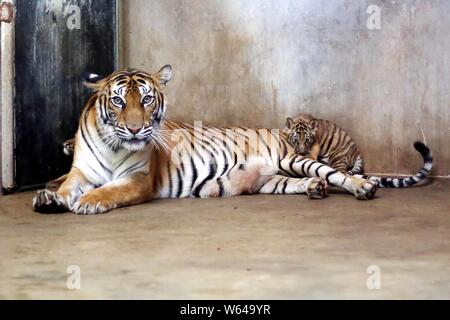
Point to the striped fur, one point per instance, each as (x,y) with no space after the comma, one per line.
(125,153)
(425,152)
(324,141)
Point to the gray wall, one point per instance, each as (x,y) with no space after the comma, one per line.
(253,63)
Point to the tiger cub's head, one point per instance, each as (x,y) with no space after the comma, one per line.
(130,106)
(300,134)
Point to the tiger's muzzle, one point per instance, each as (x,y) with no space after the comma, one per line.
(134,138)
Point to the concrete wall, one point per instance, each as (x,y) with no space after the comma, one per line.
(253,63)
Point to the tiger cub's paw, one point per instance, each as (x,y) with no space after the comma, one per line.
(317,188)
(92,204)
(47,201)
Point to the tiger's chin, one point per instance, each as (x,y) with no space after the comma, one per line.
(134,144)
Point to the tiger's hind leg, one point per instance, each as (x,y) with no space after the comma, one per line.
(340,166)
(315,188)
(358,166)
(248,179)
(47,201)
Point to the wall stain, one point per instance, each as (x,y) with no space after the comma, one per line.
(254,63)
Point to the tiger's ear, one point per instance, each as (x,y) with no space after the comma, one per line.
(91,77)
(92,80)
(288,124)
(164,75)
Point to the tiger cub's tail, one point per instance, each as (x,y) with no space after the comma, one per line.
(409,181)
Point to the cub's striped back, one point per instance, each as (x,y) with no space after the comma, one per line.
(324,141)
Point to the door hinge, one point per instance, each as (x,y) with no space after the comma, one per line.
(6,12)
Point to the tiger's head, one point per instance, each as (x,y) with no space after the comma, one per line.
(300,134)
(130,106)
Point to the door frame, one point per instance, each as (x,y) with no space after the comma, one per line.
(7,103)
(7,86)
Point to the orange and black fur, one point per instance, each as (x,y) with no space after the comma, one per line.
(324,141)
(126,153)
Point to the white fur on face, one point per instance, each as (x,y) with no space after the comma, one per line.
(135,145)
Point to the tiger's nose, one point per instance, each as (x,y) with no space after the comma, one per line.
(134,129)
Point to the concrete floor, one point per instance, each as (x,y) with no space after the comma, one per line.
(249,247)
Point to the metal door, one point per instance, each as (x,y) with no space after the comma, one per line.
(55,43)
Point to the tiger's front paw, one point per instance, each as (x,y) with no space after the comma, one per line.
(47,201)
(317,188)
(364,189)
(93,204)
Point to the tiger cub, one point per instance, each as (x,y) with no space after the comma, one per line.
(324,141)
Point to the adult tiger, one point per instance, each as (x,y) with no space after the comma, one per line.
(123,155)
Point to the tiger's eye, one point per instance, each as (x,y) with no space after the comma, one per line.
(147,99)
(117,101)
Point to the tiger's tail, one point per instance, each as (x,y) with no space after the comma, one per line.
(409,181)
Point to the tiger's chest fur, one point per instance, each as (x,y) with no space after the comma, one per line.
(101,164)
